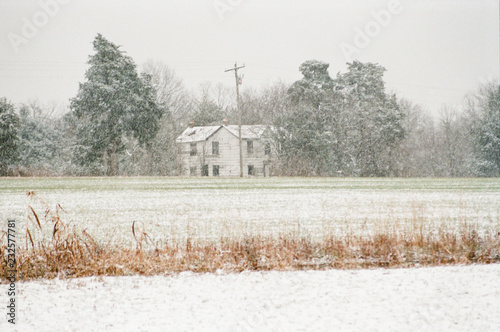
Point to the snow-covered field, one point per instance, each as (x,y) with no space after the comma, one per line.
(457,298)
(206,208)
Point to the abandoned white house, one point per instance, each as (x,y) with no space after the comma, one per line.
(214,151)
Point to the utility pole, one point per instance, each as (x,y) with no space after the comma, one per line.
(238,82)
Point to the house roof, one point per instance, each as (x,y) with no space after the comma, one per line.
(248,132)
(197,134)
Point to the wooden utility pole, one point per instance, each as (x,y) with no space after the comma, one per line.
(238,82)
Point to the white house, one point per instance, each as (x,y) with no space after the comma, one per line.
(214,151)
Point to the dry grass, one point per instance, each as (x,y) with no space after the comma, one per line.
(72,253)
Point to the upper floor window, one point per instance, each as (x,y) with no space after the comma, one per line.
(249,147)
(215,148)
(267,149)
(193,150)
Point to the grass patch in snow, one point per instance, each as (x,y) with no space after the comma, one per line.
(70,252)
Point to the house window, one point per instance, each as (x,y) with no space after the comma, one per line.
(215,170)
(251,170)
(192,171)
(204,170)
(215,148)
(193,149)
(267,149)
(249,147)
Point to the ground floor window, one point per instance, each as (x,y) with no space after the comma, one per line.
(192,171)
(215,170)
(251,170)
(204,171)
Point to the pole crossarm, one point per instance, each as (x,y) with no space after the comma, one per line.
(235,68)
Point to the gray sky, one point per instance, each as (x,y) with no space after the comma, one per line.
(434,51)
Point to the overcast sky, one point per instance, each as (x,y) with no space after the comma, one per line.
(434,51)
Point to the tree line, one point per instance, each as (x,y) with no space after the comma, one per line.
(122,122)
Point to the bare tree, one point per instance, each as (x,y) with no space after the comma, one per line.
(415,154)
(453,146)
(176,105)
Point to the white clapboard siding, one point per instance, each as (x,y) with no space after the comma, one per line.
(228,159)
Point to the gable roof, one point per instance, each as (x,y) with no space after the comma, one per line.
(197,134)
(248,132)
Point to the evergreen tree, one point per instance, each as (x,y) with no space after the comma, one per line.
(348,125)
(9,142)
(374,120)
(42,145)
(207,113)
(45,140)
(313,86)
(484,113)
(113,105)
(304,131)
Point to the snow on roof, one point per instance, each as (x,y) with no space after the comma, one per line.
(197,134)
(248,132)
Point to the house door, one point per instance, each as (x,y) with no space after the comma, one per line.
(204,170)
(267,169)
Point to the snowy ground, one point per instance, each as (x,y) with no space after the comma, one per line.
(457,298)
(454,298)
